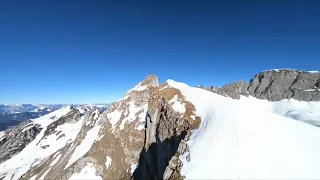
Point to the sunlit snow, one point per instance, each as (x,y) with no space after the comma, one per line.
(108,162)
(240,139)
(133,168)
(85,146)
(33,153)
(88,172)
(176,105)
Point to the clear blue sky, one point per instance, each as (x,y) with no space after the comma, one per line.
(92,51)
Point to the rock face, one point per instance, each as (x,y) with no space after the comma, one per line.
(166,132)
(116,139)
(232,90)
(16,138)
(31,146)
(275,85)
(141,136)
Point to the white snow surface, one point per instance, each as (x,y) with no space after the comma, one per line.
(142,117)
(2,134)
(309,90)
(249,139)
(140,127)
(133,168)
(308,112)
(176,105)
(130,114)
(44,174)
(33,153)
(88,172)
(291,69)
(70,132)
(85,145)
(138,87)
(114,117)
(57,158)
(275,70)
(33,177)
(108,161)
(47,119)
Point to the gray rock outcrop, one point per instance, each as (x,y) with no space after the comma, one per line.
(166,134)
(157,143)
(275,85)
(281,84)
(17,138)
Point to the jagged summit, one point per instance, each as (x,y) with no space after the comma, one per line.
(174,131)
(223,144)
(286,84)
(150,80)
(275,85)
(289,69)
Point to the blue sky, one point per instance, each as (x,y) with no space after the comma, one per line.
(93,51)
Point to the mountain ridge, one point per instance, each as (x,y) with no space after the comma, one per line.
(13,114)
(275,85)
(152,133)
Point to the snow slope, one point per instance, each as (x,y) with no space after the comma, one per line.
(88,172)
(85,146)
(308,112)
(248,139)
(34,153)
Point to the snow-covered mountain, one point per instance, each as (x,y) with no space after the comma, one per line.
(19,108)
(250,138)
(275,85)
(16,108)
(175,131)
(13,114)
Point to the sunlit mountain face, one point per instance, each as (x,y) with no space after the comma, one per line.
(13,114)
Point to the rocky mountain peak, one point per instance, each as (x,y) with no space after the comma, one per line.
(275,85)
(144,135)
(149,81)
(287,70)
(281,84)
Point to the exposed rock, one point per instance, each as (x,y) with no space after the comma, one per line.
(144,127)
(317,84)
(275,85)
(72,117)
(47,169)
(235,89)
(16,138)
(166,134)
(121,138)
(215,89)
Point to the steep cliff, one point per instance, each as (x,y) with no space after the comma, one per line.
(170,120)
(275,85)
(108,144)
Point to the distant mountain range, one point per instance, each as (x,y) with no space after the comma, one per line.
(267,128)
(13,114)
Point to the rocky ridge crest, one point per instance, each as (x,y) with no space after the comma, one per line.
(143,135)
(275,85)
